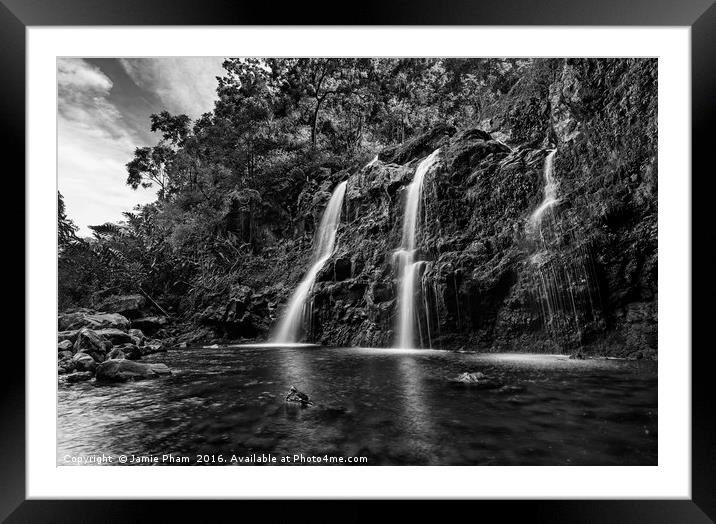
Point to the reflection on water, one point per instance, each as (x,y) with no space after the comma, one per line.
(392,406)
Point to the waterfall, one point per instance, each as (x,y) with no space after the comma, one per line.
(550,193)
(549,290)
(563,281)
(290,328)
(406,254)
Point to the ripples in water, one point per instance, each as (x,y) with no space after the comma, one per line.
(392,406)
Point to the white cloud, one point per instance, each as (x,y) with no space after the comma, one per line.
(74,75)
(185,84)
(94,144)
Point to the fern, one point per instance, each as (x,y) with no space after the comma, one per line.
(108,229)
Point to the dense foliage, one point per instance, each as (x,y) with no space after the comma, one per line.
(228,182)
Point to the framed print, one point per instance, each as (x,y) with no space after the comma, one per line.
(455,249)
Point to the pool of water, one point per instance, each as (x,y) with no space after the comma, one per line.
(394,407)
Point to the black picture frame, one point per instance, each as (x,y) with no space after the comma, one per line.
(700,15)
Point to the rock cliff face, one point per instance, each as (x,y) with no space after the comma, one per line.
(584,280)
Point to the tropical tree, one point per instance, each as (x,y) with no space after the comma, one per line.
(148,167)
(66,228)
(174,128)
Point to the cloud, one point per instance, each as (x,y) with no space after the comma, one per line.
(82,91)
(94,144)
(75,76)
(184,84)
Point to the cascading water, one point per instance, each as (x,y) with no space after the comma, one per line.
(550,193)
(406,254)
(290,328)
(546,281)
(562,279)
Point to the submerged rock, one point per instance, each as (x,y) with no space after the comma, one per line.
(508,390)
(80,376)
(469,378)
(477,379)
(126,370)
(295,395)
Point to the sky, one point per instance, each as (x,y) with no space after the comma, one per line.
(103,108)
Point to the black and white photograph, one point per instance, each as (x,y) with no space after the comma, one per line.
(407,261)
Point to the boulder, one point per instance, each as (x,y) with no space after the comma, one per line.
(115,336)
(88,341)
(160,369)
(116,353)
(79,376)
(65,365)
(130,351)
(67,335)
(92,320)
(153,346)
(129,306)
(137,336)
(126,370)
(149,325)
(84,362)
(65,345)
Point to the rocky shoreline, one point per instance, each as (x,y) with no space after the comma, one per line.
(106,343)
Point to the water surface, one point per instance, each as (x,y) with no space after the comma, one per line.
(394,407)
